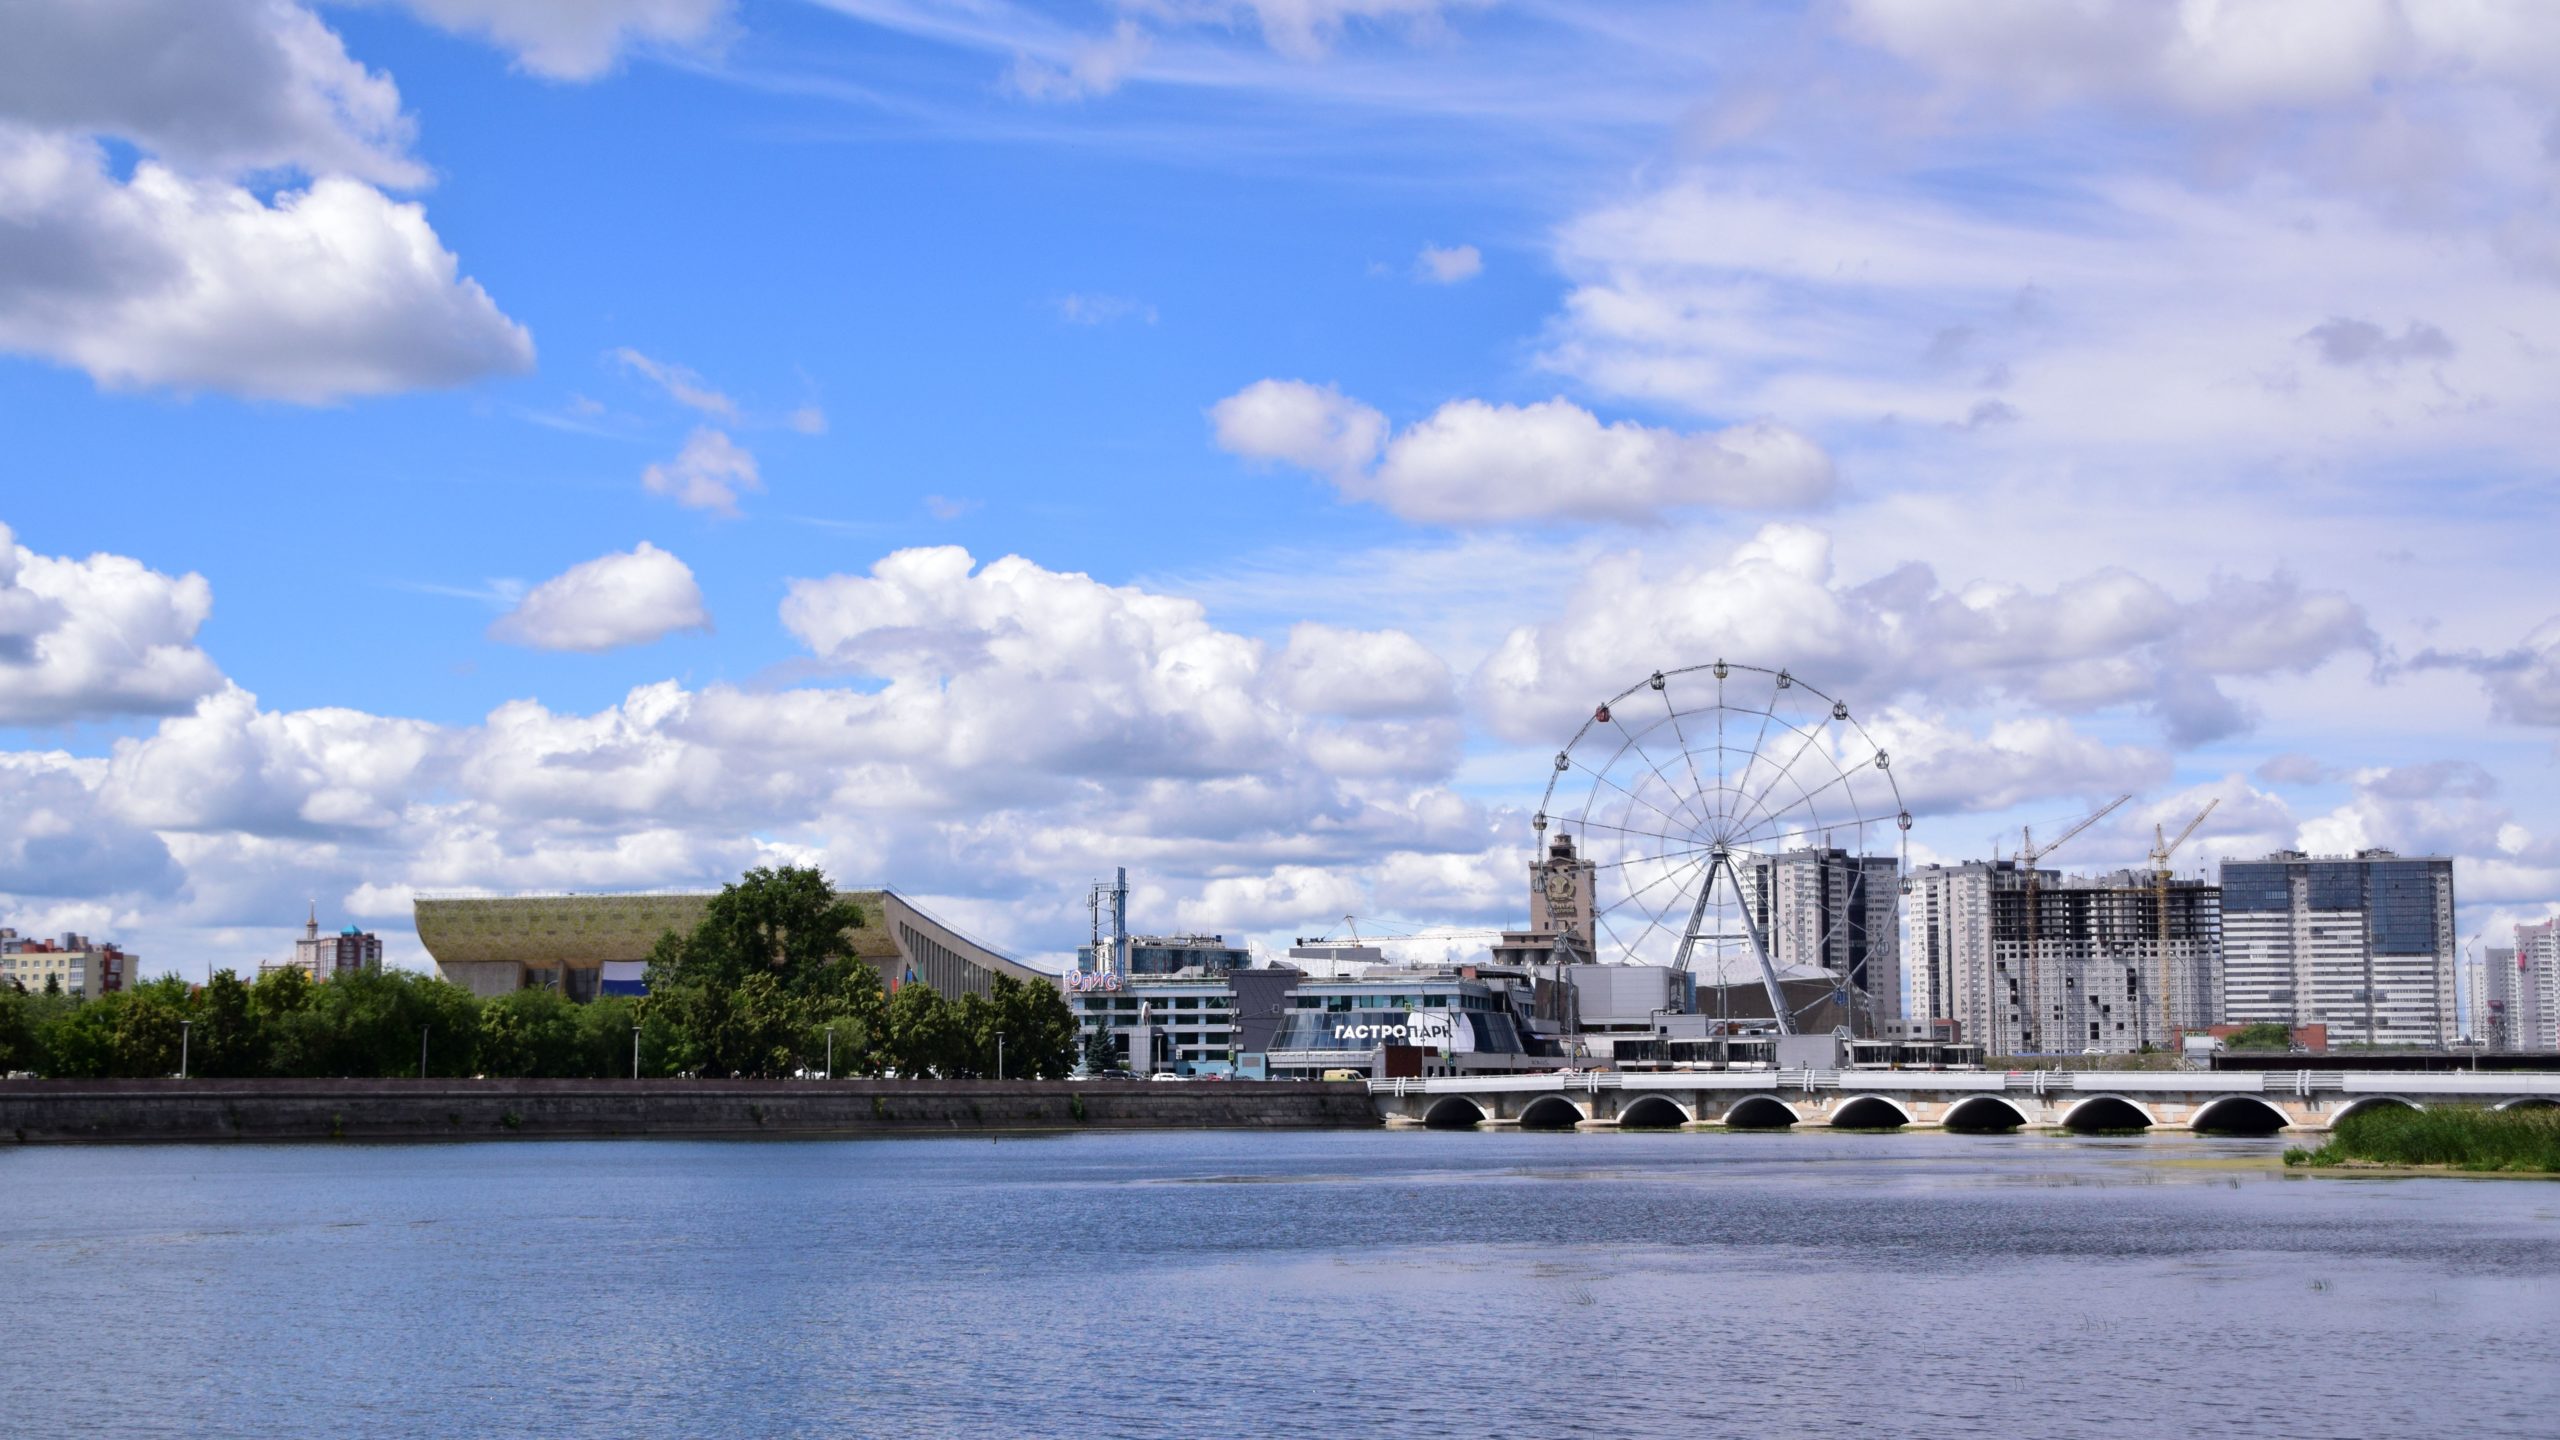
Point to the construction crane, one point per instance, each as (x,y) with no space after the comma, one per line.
(2161,850)
(2030,855)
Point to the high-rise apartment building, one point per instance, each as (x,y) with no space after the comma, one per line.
(2493,997)
(2089,965)
(1836,911)
(2362,944)
(2524,988)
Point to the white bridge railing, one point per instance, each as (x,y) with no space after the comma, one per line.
(2302,1083)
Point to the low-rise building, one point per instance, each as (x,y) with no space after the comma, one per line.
(74,965)
(1464,1019)
(1159,1022)
(587,945)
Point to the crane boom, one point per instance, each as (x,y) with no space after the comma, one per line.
(2032,852)
(2161,861)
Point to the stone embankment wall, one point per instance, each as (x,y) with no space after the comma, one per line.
(112,1111)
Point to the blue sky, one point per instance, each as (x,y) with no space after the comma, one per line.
(2110,398)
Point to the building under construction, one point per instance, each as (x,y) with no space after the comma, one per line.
(2028,962)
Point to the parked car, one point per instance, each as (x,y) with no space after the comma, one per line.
(1342,1075)
(1167,1075)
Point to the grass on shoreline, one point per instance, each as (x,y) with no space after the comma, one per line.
(2525,1141)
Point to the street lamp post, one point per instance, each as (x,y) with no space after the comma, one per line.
(999,1054)
(635,1052)
(186,1032)
(422,1052)
(831,1052)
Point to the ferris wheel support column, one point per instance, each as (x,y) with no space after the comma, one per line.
(1723,861)
(1759,947)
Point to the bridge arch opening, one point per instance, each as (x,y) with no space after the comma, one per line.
(1870,1112)
(2364,1103)
(2531,1102)
(2238,1115)
(1653,1112)
(2101,1114)
(1454,1112)
(1759,1112)
(1984,1114)
(1550,1112)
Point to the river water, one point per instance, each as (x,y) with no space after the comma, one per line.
(1271,1284)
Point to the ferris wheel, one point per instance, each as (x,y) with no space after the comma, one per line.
(1737,824)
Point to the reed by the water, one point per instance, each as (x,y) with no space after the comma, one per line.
(2458,1137)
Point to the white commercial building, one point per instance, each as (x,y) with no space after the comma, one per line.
(2360,943)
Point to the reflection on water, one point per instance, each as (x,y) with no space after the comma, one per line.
(1272,1284)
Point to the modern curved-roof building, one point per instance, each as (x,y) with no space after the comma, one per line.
(492,945)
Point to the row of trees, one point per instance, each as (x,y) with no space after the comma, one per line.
(767,985)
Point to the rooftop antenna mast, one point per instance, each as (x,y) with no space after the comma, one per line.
(1116,894)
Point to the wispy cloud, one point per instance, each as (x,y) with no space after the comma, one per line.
(1078,308)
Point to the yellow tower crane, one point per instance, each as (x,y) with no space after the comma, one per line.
(2165,992)
(2030,855)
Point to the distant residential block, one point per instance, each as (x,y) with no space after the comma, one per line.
(2362,943)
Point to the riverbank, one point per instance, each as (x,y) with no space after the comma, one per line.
(2450,1137)
(74,1112)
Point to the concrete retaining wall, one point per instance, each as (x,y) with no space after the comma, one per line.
(113,1111)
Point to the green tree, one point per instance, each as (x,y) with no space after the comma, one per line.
(758,985)
(975,1022)
(284,1044)
(924,1034)
(79,1036)
(604,1035)
(1099,1055)
(373,1023)
(531,1034)
(227,1040)
(18,1047)
(1041,1037)
(2265,1035)
(147,1030)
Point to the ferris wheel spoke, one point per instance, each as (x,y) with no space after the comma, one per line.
(1648,859)
(1742,782)
(1603,778)
(1806,798)
(1804,742)
(1671,713)
(1637,893)
(1667,908)
(1681,841)
(1669,785)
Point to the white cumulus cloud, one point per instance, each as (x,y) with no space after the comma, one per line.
(629,597)
(1472,462)
(214,86)
(324,292)
(93,638)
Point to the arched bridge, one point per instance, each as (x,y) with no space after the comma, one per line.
(2086,1100)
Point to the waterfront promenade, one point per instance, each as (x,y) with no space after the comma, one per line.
(113,1111)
